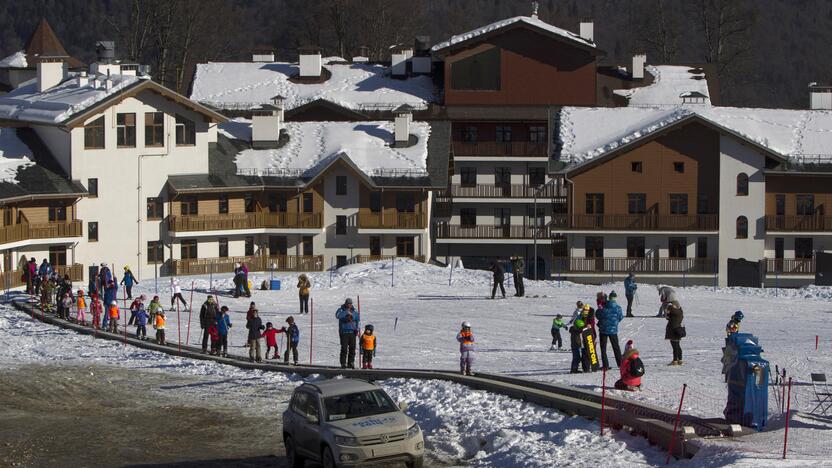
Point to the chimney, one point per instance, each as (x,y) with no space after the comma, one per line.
(108,83)
(421,62)
(262,55)
(266,123)
(310,61)
(535,7)
(398,60)
(401,127)
(51,71)
(83,79)
(106,51)
(820,97)
(638,66)
(587,30)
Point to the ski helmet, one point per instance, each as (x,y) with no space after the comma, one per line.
(466,324)
(579,323)
(738,316)
(114,303)
(369,327)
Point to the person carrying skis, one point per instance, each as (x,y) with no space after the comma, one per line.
(349,321)
(207,314)
(466,349)
(292,340)
(630,288)
(141,322)
(114,316)
(588,353)
(733,325)
(271,340)
(128,280)
(608,319)
(576,345)
(369,345)
(557,324)
(304,285)
(223,324)
(81,305)
(498,276)
(632,369)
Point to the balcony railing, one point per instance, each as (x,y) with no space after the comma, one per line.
(513,231)
(26,231)
(798,223)
(227,222)
(505,191)
(644,222)
(14,278)
(790,266)
(387,258)
(635,265)
(201,266)
(392,221)
(494,148)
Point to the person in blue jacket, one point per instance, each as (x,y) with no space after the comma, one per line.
(293,338)
(349,323)
(141,322)
(608,320)
(128,280)
(630,287)
(223,324)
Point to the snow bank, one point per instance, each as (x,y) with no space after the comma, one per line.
(15,60)
(535,22)
(14,155)
(669,83)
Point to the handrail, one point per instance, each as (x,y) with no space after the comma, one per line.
(506,190)
(635,265)
(260,220)
(203,266)
(400,220)
(641,222)
(798,223)
(495,148)
(26,231)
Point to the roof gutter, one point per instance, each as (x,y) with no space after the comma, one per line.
(45,196)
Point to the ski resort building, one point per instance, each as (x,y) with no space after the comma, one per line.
(21,66)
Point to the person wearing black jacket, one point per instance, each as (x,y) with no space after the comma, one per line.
(518,266)
(674,331)
(499,277)
(207,314)
(255,327)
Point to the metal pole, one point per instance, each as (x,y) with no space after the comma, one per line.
(451,275)
(311,328)
(190,311)
(156,276)
(534,214)
(603,396)
(392,274)
(330,272)
(788,409)
(676,425)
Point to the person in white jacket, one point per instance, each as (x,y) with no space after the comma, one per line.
(176,293)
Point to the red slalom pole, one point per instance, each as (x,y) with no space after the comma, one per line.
(190,311)
(179,325)
(816,342)
(676,425)
(311,328)
(788,409)
(360,354)
(124,295)
(603,396)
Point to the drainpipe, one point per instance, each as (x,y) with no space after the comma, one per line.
(570,194)
(139,201)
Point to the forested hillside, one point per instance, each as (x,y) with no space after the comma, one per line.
(766,51)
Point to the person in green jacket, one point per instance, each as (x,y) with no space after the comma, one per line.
(557,324)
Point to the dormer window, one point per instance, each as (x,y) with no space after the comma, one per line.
(94,134)
(185,131)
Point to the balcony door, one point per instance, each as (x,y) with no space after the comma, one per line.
(375,245)
(502,222)
(779,253)
(594,252)
(277,246)
(502,180)
(405,247)
(57,256)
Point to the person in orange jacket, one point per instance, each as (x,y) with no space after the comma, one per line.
(82,308)
(112,312)
(466,349)
(159,325)
(369,346)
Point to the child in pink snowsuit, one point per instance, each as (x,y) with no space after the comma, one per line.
(82,308)
(96,308)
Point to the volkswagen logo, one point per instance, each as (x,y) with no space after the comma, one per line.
(384,438)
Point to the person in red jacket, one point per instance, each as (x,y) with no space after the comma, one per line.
(271,340)
(214,333)
(632,369)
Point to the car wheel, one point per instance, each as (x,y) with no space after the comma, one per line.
(416,463)
(327,459)
(295,460)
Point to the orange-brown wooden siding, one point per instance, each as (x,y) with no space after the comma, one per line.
(793,185)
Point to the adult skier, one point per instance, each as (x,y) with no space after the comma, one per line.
(128,280)
(630,288)
(499,275)
(608,319)
(349,321)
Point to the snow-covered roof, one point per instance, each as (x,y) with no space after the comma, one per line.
(15,60)
(669,84)
(357,86)
(59,103)
(14,155)
(531,21)
(312,145)
(586,133)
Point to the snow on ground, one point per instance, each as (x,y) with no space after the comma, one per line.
(232,85)
(14,155)
(15,60)
(368,145)
(417,319)
(529,20)
(669,82)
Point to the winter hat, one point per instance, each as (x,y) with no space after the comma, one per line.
(558,316)
(224,309)
(613,295)
(348,301)
(580,305)
(114,303)
(269,325)
(579,324)
(290,319)
(587,308)
(628,346)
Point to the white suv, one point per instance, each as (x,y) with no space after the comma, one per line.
(345,422)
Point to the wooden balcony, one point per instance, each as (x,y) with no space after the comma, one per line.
(798,223)
(392,221)
(494,148)
(230,222)
(514,231)
(645,222)
(505,191)
(563,265)
(26,231)
(13,279)
(387,258)
(790,266)
(202,266)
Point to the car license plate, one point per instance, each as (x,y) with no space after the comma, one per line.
(385,451)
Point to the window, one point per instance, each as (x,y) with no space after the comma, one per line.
(126,130)
(304,405)
(679,203)
(594,247)
(805,205)
(636,166)
(742,227)
(375,202)
(679,167)
(223,247)
(636,203)
(502,176)
(188,207)
(340,185)
(187,249)
(94,134)
(469,134)
(185,132)
(405,247)
(635,247)
(277,202)
(340,225)
(678,247)
(223,204)
(595,203)
(308,248)
(701,247)
(57,213)
(92,187)
(503,134)
(502,217)
(536,218)
(154,129)
(803,247)
(537,134)
(307,202)
(155,208)
(780,204)
(92,231)
(703,203)
(477,72)
(249,203)
(468,176)
(57,255)
(468,217)
(405,202)
(155,252)
(249,246)
(340,260)
(537,176)
(742,184)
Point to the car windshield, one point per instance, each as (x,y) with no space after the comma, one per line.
(356,405)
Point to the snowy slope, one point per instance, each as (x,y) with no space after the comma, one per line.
(670,81)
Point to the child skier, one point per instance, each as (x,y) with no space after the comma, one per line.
(105,315)
(632,368)
(114,316)
(270,334)
(159,325)
(575,345)
(81,305)
(96,308)
(557,324)
(134,307)
(214,333)
(292,340)
(733,325)
(47,289)
(66,304)
(369,345)
(141,322)
(466,349)
(154,306)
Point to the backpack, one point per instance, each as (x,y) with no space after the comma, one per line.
(636,367)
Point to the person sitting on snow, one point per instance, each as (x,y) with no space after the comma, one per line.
(632,369)
(733,325)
